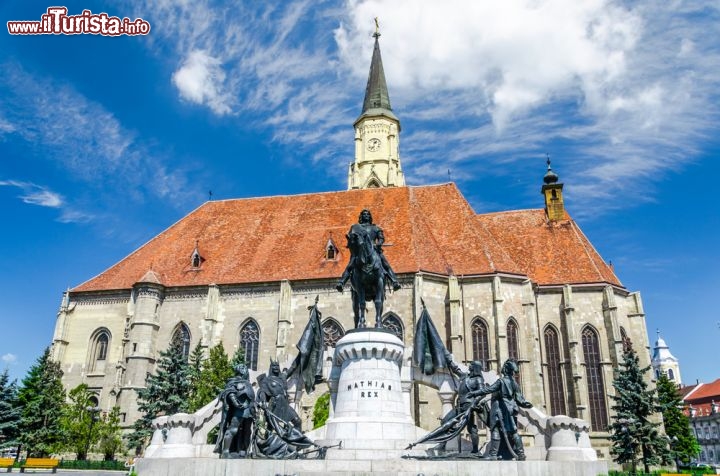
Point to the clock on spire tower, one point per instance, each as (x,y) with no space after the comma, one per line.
(377,130)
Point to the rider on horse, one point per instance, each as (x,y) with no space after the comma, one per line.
(377,237)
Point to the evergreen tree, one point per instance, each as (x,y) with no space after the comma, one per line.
(684,446)
(9,411)
(109,434)
(216,371)
(79,423)
(195,362)
(166,392)
(238,358)
(635,438)
(41,398)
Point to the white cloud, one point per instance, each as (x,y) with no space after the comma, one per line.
(5,126)
(515,53)
(9,358)
(35,194)
(200,79)
(39,195)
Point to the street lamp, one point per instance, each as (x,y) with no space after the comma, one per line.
(93,418)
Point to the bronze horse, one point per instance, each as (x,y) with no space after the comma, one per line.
(368,276)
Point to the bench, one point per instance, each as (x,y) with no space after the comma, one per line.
(40,463)
(7,463)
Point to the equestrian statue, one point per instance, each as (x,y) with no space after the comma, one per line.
(367,269)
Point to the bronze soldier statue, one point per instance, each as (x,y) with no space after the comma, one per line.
(506,398)
(238,397)
(469,382)
(273,391)
(376,235)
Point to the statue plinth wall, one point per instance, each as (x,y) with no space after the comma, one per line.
(369,406)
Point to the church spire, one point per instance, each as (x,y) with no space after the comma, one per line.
(377,151)
(376,91)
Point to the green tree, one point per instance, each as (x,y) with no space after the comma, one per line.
(79,422)
(635,437)
(684,446)
(41,398)
(321,412)
(238,357)
(195,362)
(216,370)
(109,435)
(9,411)
(166,392)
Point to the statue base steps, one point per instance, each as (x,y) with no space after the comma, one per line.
(462,467)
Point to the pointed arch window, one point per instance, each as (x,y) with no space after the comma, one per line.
(250,343)
(394,324)
(102,346)
(481,348)
(554,372)
(332,332)
(512,340)
(100,343)
(181,337)
(513,345)
(595,384)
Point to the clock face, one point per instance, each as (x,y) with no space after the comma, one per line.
(373,145)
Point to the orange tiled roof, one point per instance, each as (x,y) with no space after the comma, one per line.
(705,393)
(555,253)
(431,228)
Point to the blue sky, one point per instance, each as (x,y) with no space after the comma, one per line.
(106,141)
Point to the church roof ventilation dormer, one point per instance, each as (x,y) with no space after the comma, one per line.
(331,250)
(196,260)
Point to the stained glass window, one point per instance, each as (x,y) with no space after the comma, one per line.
(332,332)
(554,372)
(481,349)
(596,386)
(182,335)
(393,323)
(250,343)
(102,346)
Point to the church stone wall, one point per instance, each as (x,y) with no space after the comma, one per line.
(217,313)
(83,318)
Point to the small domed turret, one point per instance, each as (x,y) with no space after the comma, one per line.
(550,176)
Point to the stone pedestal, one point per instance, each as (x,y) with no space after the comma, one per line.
(178,443)
(158,439)
(569,440)
(371,414)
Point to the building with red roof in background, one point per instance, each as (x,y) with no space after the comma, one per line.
(702,402)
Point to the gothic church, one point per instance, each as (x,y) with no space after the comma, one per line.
(525,284)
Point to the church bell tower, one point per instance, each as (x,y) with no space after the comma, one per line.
(377,130)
